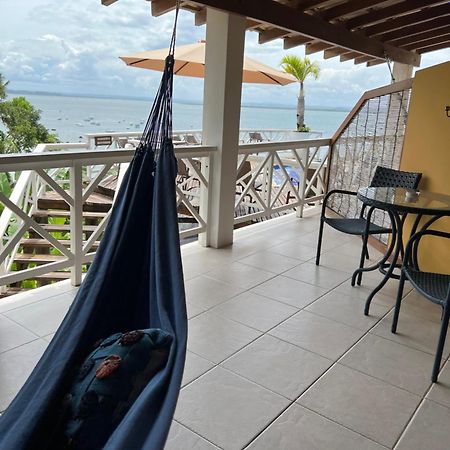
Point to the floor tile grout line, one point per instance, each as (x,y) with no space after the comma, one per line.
(198,434)
(39,300)
(408,345)
(280,323)
(21,345)
(342,425)
(26,328)
(414,414)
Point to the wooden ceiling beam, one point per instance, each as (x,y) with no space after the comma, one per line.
(291,42)
(305,5)
(348,8)
(160,7)
(427,43)
(404,40)
(433,48)
(408,20)
(251,24)
(333,52)
(108,2)
(272,34)
(406,7)
(314,47)
(200,17)
(415,29)
(282,16)
(375,62)
(348,56)
(363,59)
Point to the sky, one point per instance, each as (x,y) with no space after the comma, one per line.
(72,47)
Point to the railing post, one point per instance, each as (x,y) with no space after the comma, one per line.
(304,158)
(76,222)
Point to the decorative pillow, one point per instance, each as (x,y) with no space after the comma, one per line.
(109,381)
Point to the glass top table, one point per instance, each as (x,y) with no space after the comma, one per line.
(398,203)
(406,200)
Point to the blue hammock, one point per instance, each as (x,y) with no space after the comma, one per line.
(135,282)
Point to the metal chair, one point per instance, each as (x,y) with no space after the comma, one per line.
(383,177)
(255,136)
(433,286)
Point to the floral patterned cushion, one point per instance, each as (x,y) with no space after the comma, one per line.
(108,382)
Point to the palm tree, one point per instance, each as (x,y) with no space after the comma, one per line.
(3,84)
(300,68)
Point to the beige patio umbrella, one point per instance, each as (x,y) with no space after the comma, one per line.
(190,62)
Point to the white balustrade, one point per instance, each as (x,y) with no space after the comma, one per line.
(71,173)
(275,177)
(272,178)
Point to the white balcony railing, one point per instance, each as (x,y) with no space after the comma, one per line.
(71,174)
(272,178)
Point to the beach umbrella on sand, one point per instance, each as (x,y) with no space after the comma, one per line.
(190,62)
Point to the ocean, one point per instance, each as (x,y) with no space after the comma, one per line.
(72,117)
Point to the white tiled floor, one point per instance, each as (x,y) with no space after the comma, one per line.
(280,355)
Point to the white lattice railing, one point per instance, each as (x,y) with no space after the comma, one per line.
(194,137)
(271,179)
(275,177)
(71,173)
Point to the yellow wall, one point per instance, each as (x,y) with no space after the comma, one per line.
(427,149)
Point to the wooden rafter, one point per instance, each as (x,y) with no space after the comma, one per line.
(304,5)
(200,17)
(160,7)
(294,21)
(108,2)
(317,46)
(407,20)
(348,56)
(397,9)
(362,59)
(291,42)
(404,40)
(415,29)
(349,7)
(433,48)
(272,34)
(427,43)
(333,52)
(375,62)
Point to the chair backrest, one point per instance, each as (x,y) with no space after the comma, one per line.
(182,168)
(255,136)
(191,139)
(385,177)
(245,169)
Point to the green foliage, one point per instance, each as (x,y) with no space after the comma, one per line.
(304,129)
(5,187)
(300,68)
(22,122)
(3,84)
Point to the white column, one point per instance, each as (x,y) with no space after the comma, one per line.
(76,223)
(225,38)
(402,71)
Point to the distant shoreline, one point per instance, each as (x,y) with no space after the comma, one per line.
(183,102)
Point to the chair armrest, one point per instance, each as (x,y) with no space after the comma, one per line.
(414,242)
(332,192)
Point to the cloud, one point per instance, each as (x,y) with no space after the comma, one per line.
(74,47)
